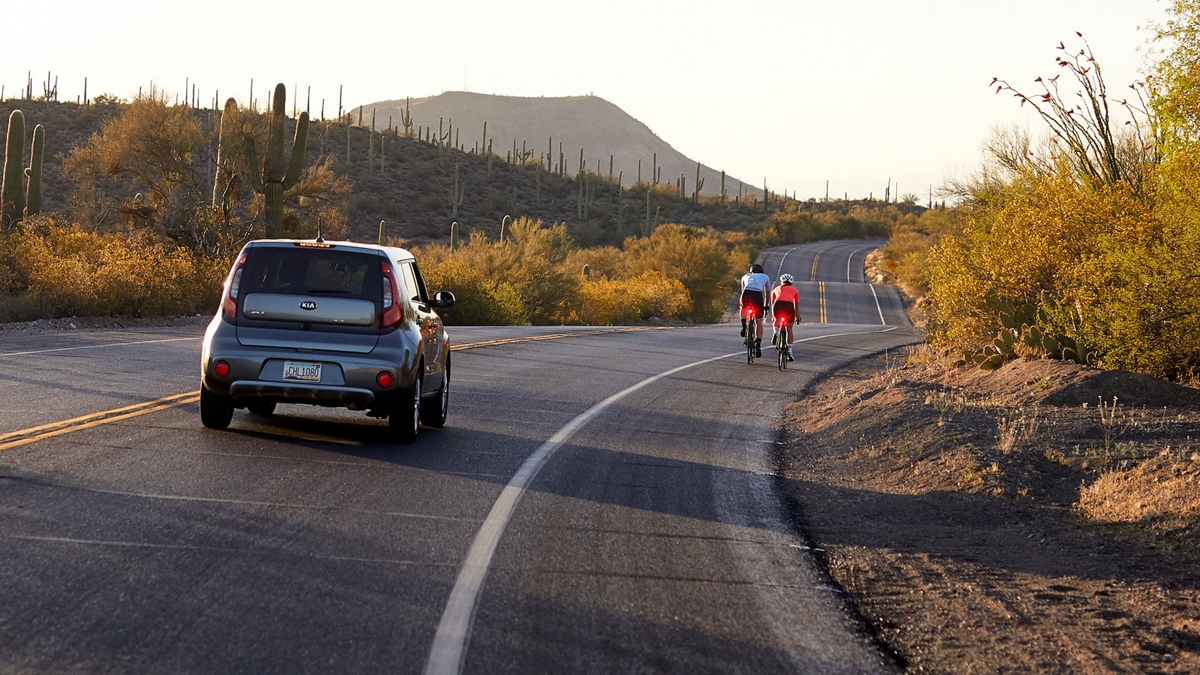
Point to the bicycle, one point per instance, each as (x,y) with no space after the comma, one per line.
(779,339)
(751,334)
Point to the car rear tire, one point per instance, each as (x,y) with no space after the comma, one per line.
(433,410)
(216,411)
(405,420)
(261,408)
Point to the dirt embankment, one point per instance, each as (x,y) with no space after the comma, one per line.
(1013,521)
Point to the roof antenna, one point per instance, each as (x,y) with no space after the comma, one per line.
(319,239)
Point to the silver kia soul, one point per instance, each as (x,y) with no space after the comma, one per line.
(332,324)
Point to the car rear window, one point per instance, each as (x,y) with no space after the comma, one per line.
(307,271)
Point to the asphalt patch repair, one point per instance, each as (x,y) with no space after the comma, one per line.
(1012,521)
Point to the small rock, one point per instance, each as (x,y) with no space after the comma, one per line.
(71,326)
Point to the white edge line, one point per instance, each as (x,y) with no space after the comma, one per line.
(850,260)
(877,307)
(111,344)
(450,642)
(784,258)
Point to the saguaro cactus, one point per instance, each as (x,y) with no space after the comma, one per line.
(226,138)
(699,184)
(33,200)
(456,194)
(406,119)
(278,173)
(453,235)
(12,190)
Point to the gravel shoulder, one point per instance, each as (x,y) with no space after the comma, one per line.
(1006,521)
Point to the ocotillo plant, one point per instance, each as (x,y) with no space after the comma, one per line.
(12,190)
(456,194)
(280,173)
(33,200)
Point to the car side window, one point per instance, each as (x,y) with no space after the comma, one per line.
(411,282)
(420,281)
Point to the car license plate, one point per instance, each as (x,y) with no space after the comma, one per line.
(302,371)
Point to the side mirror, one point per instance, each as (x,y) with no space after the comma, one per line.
(443,299)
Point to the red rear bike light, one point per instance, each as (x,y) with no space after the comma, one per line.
(385,380)
(221,368)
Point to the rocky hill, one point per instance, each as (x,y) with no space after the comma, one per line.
(544,126)
(407,182)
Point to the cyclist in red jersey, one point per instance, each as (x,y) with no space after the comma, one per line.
(785,305)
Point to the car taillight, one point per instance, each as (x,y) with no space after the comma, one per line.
(229,301)
(391,293)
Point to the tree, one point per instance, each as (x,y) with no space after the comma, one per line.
(151,149)
(1176,83)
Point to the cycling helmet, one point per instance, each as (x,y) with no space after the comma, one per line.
(756,268)
(786,279)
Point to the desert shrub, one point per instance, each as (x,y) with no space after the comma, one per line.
(536,276)
(700,260)
(481,300)
(59,270)
(1098,242)
(608,302)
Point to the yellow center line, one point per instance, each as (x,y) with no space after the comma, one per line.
(15,439)
(816,258)
(824,317)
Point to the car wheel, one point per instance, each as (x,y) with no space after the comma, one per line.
(433,410)
(405,420)
(261,408)
(216,411)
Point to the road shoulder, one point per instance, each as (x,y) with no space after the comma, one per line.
(977,523)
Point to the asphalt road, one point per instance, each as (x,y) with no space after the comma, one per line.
(651,539)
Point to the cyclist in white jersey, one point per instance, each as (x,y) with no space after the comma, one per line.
(756,288)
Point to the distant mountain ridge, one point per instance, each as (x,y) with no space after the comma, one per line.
(542,124)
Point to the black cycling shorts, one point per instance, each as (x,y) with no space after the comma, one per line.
(752,298)
(785,312)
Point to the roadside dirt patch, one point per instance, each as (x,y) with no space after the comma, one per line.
(990,522)
(102,323)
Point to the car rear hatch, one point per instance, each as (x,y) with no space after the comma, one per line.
(310,297)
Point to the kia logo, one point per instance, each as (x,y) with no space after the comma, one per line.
(309,305)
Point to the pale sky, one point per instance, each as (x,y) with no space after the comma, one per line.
(853,91)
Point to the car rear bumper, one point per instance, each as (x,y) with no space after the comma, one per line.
(315,394)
